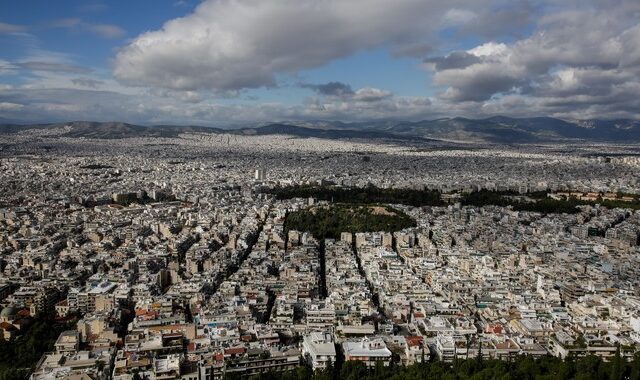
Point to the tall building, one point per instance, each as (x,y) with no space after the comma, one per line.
(260,174)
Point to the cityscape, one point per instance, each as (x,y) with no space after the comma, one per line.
(239,189)
(174,259)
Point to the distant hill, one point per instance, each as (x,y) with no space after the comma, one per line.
(463,130)
(497,129)
(323,132)
(502,129)
(109,130)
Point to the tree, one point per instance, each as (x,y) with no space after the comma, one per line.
(616,365)
(479,357)
(588,365)
(635,367)
(100,366)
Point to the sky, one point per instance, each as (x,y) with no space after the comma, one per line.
(241,62)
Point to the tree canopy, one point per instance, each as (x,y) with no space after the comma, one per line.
(520,368)
(331,221)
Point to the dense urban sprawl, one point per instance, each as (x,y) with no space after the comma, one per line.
(167,258)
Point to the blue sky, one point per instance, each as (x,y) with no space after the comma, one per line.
(56,26)
(218,62)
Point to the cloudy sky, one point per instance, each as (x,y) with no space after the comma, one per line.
(225,62)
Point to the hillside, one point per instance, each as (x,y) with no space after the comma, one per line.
(109,130)
(495,130)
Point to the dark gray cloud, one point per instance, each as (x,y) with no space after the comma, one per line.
(330,89)
(455,60)
(343,92)
(511,19)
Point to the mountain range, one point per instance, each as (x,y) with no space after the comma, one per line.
(497,129)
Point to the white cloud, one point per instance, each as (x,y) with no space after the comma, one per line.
(571,59)
(8,106)
(11,28)
(52,66)
(370,94)
(235,44)
(490,49)
(76,24)
(577,61)
(106,30)
(6,67)
(68,22)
